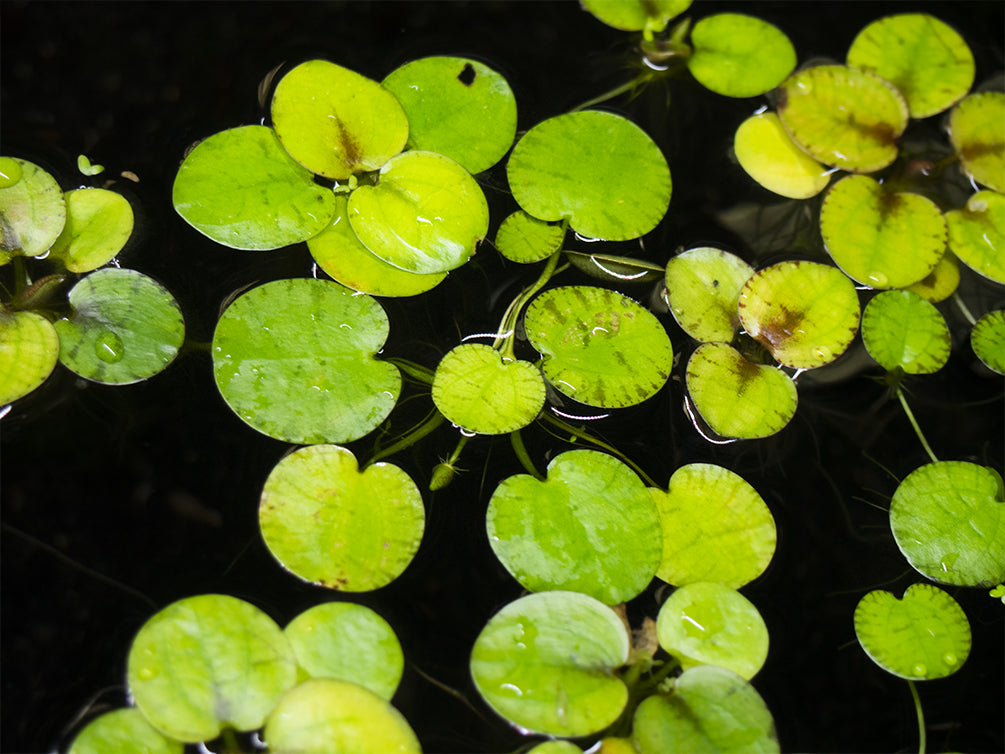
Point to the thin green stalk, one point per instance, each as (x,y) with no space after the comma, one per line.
(413,370)
(582,434)
(431,422)
(914,423)
(640,80)
(963,308)
(516,440)
(504,343)
(921,717)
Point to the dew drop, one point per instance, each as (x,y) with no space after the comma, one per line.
(919,669)
(10,172)
(147,673)
(823,353)
(877,279)
(109,347)
(949,658)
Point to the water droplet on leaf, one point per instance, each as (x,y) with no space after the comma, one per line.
(109,347)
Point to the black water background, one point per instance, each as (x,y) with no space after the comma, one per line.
(155,485)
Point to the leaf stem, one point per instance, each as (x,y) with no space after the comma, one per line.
(516,440)
(921,717)
(415,371)
(582,434)
(640,80)
(914,423)
(504,343)
(963,308)
(431,422)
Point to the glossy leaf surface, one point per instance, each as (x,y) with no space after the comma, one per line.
(32,210)
(335,122)
(921,636)
(805,313)
(457,107)
(711,710)
(475,388)
(240,188)
(716,527)
(323,715)
(29,350)
(976,133)
(928,62)
(331,524)
(600,347)
(771,158)
(902,330)
(736,397)
(881,239)
(591,526)
(703,288)
(948,518)
(941,282)
(296,360)
(988,340)
(977,234)
(207,662)
(426,214)
(546,663)
(98,224)
(596,169)
(125,731)
(844,117)
(705,623)
(738,55)
(525,239)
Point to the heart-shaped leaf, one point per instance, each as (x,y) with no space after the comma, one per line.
(207,662)
(738,55)
(717,528)
(546,663)
(590,527)
(335,122)
(125,327)
(881,239)
(977,234)
(32,210)
(123,730)
(426,214)
(976,134)
(710,624)
(928,62)
(457,107)
(600,347)
(525,239)
(98,224)
(323,715)
(988,340)
(348,642)
(475,388)
(333,525)
(29,350)
(922,636)
(296,360)
(771,158)
(242,189)
(637,15)
(736,397)
(844,117)
(703,288)
(948,518)
(902,330)
(596,169)
(805,313)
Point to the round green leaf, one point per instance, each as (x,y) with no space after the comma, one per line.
(242,189)
(125,327)
(902,330)
(636,15)
(922,636)
(479,390)
(711,710)
(881,239)
(717,528)
(771,158)
(29,350)
(32,210)
(948,518)
(702,288)
(335,122)
(333,525)
(806,314)
(546,663)
(458,107)
(525,239)
(739,56)
(988,340)
(977,234)
(426,214)
(843,117)
(208,662)
(595,169)
(736,397)
(976,133)
(348,642)
(590,527)
(323,715)
(705,623)
(296,360)
(925,59)
(98,224)
(599,347)
(339,253)
(941,282)
(556,746)
(125,731)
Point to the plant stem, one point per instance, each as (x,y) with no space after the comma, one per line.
(963,308)
(516,440)
(413,370)
(431,422)
(914,423)
(504,343)
(639,80)
(582,434)
(921,717)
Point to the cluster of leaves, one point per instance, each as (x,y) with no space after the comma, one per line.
(114,326)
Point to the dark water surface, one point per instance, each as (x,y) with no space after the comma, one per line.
(118,501)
